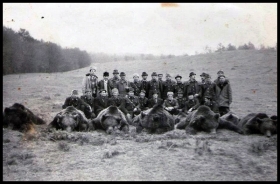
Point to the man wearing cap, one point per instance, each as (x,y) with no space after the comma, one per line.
(90,82)
(114,79)
(75,101)
(154,85)
(89,99)
(223,95)
(154,100)
(143,101)
(171,104)
(179,86)
(145,83)
(167,86)
(132,104)
(105,83)
(136,84)
(118,101)
(191,104)
(160,76)
(211,104)
(101,102)
(123,85)
(192,86)
(208,88)
(219,73)
(202,76)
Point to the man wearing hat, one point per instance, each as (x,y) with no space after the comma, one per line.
(114,79)
(179,86)
(101,102)
(192,86)
(167,86)
(118,101)
(145,83)
(160,76)
(154,85)
(90,82)
(223,95)
(106,84)
(123,85)
(219,73)
(154,100)
(171,104)
(136,84)
(143,101)
(191,104)
(132,104)
(89,99)
(75,101)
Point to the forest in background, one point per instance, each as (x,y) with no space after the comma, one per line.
(24,54)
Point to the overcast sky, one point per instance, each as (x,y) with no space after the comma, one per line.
(145,27)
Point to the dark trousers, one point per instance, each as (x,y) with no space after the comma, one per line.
(223,110)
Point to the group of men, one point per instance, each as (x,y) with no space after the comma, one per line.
(133,97)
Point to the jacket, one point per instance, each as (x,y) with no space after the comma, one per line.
(223,94)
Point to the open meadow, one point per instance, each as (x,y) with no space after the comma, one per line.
(172,156)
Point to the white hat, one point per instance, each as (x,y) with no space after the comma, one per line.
(170,93)
(135,75)
(92,68)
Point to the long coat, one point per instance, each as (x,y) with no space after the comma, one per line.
(194,87)
(154,85)
(136,86)
(167,85)
(223,94)
(90,83)
(145,86)
(114,82)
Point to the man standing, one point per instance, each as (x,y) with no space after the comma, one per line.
(179,86)
(105,84)
(223,95)
(154,85)
(192,86)
(167,86)
(136,84)
(208,88)
(219,73)
(114,79)
(123,85)
(90,82)
(145,83)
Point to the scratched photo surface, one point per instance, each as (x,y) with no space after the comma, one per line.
(48,48)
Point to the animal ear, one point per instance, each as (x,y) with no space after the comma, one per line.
(258,120)
(274,117)
(230,116)
(217,115)
(7,110)
(103,117)
(142,114)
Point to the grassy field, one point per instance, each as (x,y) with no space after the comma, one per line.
(226,156)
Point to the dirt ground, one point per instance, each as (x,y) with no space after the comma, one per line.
(172,156)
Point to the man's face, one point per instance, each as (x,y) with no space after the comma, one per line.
(144,77)
(103,93)
(92,71)
(155,95)
(136,79)
(219,74)
(178,79)
(131,93)
(222,79)
(154,77)
(116,75)
(206,99)
(170,97)
(123,77)
(192,77)
(180,95)
(88,93)
(160,77)
(202,78)
(115,94)
(142,95)
(106,77)
(168,77)
(190,97)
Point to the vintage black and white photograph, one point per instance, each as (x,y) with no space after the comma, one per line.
(140,92)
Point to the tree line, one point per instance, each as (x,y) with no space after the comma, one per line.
(24,54)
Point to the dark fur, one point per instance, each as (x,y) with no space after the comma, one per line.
(18,117)
(109,119)
(71,119)
(154,120)
(204,119)
(258,123)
